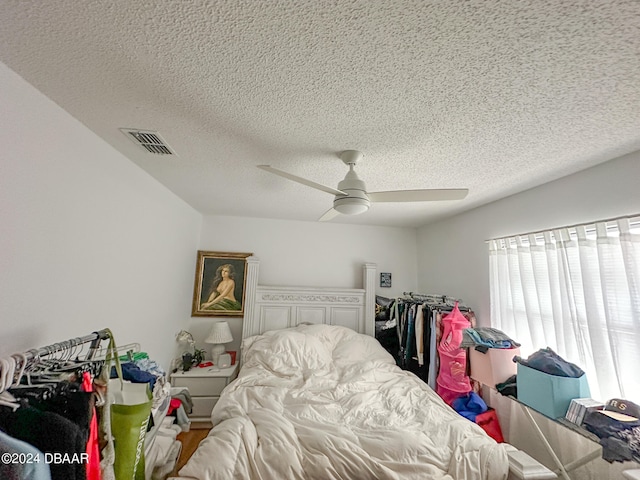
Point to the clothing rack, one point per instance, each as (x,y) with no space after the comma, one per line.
(436,300)
(417,321)
(95,338)
(121,350)
(13,366)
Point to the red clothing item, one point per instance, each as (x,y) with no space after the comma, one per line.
(174,405)
(93,451)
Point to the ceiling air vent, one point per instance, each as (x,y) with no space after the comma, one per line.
(150,141)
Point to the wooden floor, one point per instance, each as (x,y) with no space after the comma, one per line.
(190,441)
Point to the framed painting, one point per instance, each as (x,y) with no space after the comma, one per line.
(219,285)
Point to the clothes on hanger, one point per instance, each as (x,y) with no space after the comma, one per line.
(22,470)
(50,433)
(417,321)
(48,409)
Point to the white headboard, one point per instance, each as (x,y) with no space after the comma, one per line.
(272,308)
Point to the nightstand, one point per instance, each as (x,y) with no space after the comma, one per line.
(205,387)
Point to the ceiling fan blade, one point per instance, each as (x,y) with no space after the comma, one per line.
(328,215)
(304,181)
(435,194)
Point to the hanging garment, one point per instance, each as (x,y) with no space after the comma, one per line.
(410,348)
(452,380)
(93,450)
(50,433)
(37,470)
(420,335)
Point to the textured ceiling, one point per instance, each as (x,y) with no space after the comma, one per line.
(494,96)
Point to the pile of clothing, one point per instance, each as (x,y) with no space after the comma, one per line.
(484,338)
(618,428)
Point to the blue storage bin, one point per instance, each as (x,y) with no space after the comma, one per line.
(549,394)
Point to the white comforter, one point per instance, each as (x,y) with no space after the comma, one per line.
(323,402)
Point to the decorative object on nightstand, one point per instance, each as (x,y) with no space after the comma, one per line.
(186,344)
(224,360)
(219,335)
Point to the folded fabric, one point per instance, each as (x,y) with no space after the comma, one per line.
(151,366)
(487,337)
(616,450)
(131,372)
(508,388)
(469,405)
(604,426)
(632,438)
(548,361)
(185,397)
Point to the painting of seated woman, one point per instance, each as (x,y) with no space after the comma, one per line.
(219,288)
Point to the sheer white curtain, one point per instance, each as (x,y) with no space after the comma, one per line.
(577,291)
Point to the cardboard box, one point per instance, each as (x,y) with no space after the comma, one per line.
(550,395)
(493,367)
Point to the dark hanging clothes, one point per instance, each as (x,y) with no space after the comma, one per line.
(38,470)
(70,403)
(50,433)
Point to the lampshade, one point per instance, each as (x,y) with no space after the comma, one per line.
(220,333)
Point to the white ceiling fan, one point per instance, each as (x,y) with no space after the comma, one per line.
(352,198)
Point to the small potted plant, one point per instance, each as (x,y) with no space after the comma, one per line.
(198,356)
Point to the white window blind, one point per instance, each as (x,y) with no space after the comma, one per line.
(577,290)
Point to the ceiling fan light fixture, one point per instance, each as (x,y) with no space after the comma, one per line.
(351,205)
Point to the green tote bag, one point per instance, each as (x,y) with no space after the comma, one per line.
(130,410)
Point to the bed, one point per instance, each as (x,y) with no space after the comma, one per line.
(317,397)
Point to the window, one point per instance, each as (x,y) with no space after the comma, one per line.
(576,290)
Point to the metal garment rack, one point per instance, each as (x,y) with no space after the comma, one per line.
(94,338)
(435,300)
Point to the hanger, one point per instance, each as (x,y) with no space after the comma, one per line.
(7,372)
(8,400)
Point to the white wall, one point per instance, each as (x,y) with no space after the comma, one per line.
(311,254)
(453,258)
(452,254)
(88,239)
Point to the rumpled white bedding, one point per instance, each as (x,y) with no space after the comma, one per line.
(324,402)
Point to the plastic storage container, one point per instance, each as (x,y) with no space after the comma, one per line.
(550,395)
(494,366)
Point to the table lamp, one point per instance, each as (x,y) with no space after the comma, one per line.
(220,334)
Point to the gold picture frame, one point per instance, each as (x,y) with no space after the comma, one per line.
(219,284)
